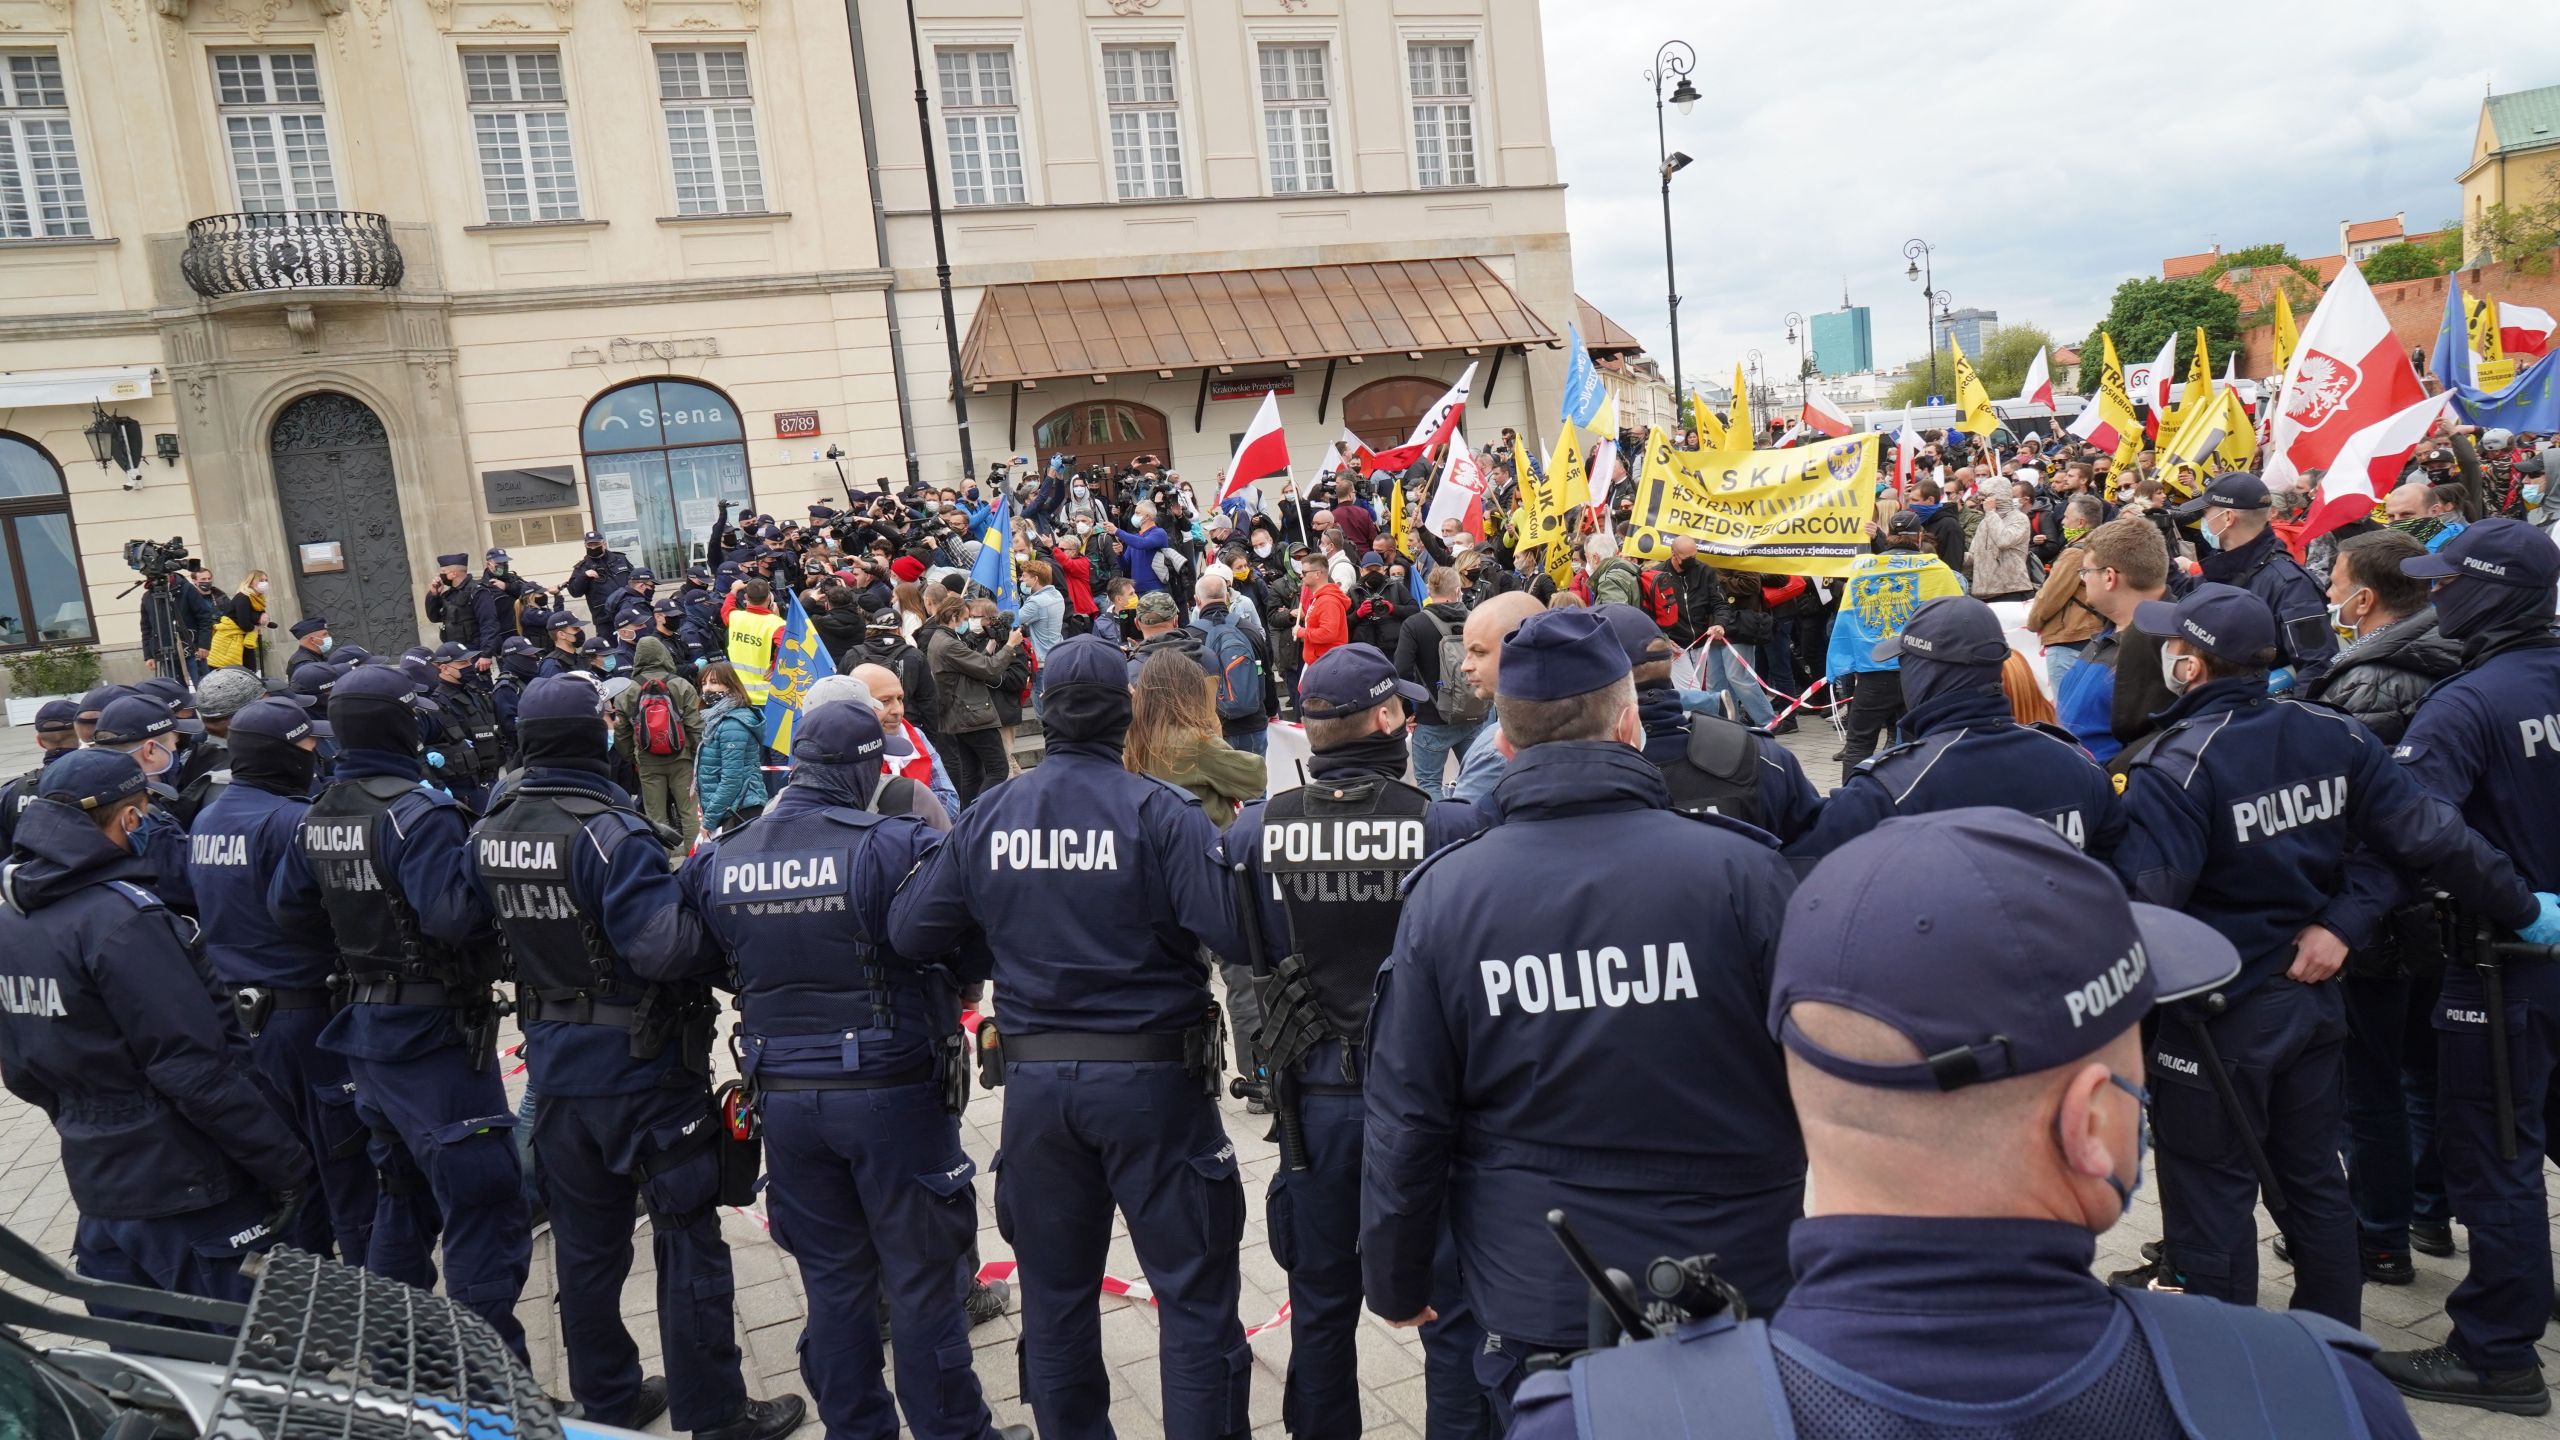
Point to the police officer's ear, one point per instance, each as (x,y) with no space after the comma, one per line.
(119,821)
(1629,730)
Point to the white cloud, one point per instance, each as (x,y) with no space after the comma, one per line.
(2049,149)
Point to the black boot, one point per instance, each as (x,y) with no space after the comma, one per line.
(987,1300)
(646,1406)
(2154,1274)
(2440,1375)
(2431,1237)
(761,1420)
(2381,1267)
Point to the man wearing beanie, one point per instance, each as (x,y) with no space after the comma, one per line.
(279,973)
(384,858)
(613,990)
(176,1159)
(1096,891)
(1325,860)
(1965,745)
(1521,959)
(856,1053)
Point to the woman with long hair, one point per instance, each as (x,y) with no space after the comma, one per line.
(912,615)
(2026,696)
(236,625)
(1173,735)
(728,776)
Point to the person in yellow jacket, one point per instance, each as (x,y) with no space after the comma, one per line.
(236,626)
(754,632)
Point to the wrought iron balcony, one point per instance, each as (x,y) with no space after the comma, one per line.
(290,250)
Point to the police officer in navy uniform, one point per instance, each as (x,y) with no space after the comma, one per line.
(1965,744)
(613,990)
(141,725)
(518,659)
(1709,763)
(383,857)
(55,738)
(2233,516)
(1325,862)
(599,579)
(856,1059)
(2241,812)
(1966,1062)
(111,1024)
(279,975)
(2486,741)
(1558,1028)
(1096,889)
(473,712)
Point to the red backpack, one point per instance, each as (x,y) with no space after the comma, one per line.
(1661,596)
(660,731)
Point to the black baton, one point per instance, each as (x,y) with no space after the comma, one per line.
(1278,1087)
(2197,1016)
(2489,962)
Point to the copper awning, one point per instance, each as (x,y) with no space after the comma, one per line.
(1053,328)
(1602,335)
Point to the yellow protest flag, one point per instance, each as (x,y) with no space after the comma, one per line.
(2287,334)
(1710,429)
(1565,482)
(2240,434)
(1741,431)
(1396,519)
(1973,402)
(2200,392)
(2116,425)
(1802,510)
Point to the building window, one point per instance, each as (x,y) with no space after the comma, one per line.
(1105,432)
(42,598)
(1146,125)
(275,130)
(1297,118)
(981,126)
(661,456)
(40,194)
(1444,115)
(711,130)
(520,125)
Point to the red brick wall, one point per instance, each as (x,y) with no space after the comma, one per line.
(2416,307)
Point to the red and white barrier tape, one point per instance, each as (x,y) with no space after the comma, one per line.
(1794,702)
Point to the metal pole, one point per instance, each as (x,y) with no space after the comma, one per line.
(880,244)
(1667,63)
(941,250)
(1923,255)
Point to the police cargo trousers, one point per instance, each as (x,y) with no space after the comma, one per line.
(1081,1137)
(597,1153)
(2282,1044)
(871,1193)
(319,1097)
(2502,1304)
(444,1144)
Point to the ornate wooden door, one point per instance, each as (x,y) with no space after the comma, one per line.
(334,483)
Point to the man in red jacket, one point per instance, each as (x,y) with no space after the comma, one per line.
(1324,612)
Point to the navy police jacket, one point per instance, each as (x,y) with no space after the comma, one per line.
(2488,742)
(1788,802)
(2242,809)
(238,843)
(800,902)
(1967,748)
(2266,569)
(1574,1014)
(112,1025)
(1094,888)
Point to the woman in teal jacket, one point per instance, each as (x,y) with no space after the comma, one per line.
(729,776)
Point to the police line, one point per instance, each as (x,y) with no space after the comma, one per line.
(1798,511)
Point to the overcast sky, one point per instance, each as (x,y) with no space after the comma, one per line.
(2005,132)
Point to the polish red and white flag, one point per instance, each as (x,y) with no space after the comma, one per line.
(1823,417)
(2368,463)
(2349,373)
(2037,389)
(1262,453)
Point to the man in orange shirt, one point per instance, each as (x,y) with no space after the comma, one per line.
(1324,612)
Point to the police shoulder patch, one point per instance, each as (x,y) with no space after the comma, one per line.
(1890,752)
(134,895)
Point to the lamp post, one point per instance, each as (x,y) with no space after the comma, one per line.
(1759,391)
(1920,253)
(1801,335)
(1674,60)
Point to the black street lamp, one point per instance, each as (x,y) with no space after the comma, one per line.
(1801,335)
(1920,253)
(1674,60)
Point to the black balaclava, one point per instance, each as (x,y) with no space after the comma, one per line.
(366,723)
(1926,680)
(1093,715)
(566,744)
(2481,612)
(1370,755)
(838,784)
(278,767)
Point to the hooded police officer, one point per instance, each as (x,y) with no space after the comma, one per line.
(56,737)
(1555,945)
(112,1026)
(1708,763)
(613,989)
(2233,515)
(2241,811)
(1097,892)
(1966,746)
(1320,866)
(278,974)
(2484,741)
(854,1054)
(383,859)
(1965,1061)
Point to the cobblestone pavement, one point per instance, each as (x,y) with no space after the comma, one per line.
(35,1202)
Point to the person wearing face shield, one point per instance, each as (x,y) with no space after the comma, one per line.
(2244,810)
(1966,1064)
(2244,551)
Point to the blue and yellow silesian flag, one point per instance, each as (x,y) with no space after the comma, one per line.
(1881,593)
(799,661)
(994,569)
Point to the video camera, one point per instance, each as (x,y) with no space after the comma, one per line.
(156,559)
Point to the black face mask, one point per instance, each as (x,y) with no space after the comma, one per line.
(2468,608)
(1370,756)
(278,767)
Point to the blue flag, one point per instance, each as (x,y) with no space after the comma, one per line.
(994,568)
(2529,404)
(799,661)
(2451,359)
(1584,391)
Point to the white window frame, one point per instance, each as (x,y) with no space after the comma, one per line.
(738,186)
(522,136)
(976,125)
(305,115)
(1442,106)
(42,193)
(1305,113)
(1142,172)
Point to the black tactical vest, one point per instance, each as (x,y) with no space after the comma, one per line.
(476,715)
(1336,853)
(1719,773)
(522,853)
(341,840)
(15,797)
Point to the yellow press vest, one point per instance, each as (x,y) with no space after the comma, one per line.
(751,641)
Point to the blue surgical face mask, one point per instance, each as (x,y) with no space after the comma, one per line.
(2212,537)
(2141,1141)
(327,642)
(2533,494)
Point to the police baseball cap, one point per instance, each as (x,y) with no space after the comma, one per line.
(1350,679)
(1088,660)
(55,717)
(2229,624)
(350,656)
(133,718)
(518,645)
(563,620)
(371,682)
(276,720)
(496,555)
(227,692)
(2500,551)
(450,651)
(1558,654)
(643,575)
(560,697)
(1642,639)
(1952,630)
(595,537)
(593,645)
(168,692)
(1157,607)
(2008,954)
(2239,490)
(309,625)
(100,697)
(313,683)
(458,559)
(845,735)
(91,778)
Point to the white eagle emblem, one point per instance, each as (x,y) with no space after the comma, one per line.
(2322,385)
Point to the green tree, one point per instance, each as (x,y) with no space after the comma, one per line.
(2522,234)
(2257,257)
(2146,312)
(2401,261)
(2002,365)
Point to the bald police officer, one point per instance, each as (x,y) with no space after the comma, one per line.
(1096,890)
(1557,1028)
(1323,864)
(1965,1060)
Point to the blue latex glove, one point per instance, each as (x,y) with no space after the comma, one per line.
(2545,929)
(435,759)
